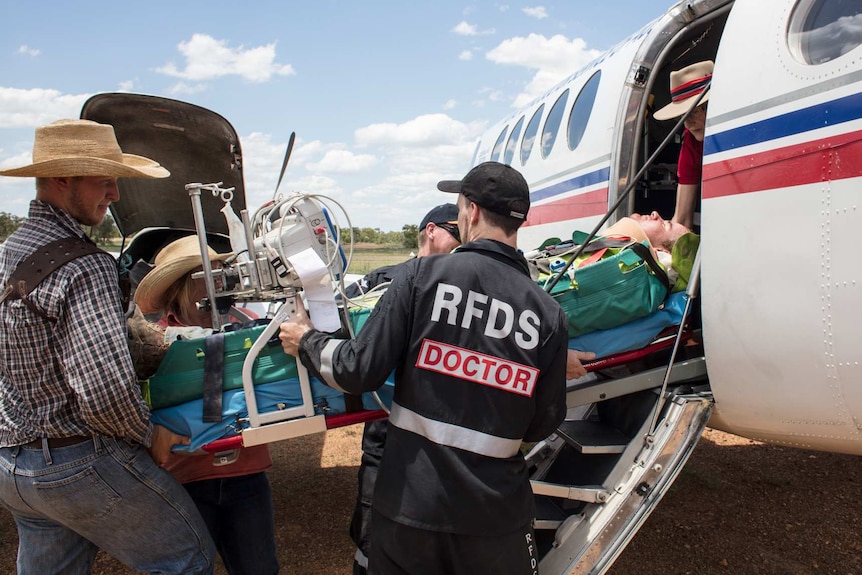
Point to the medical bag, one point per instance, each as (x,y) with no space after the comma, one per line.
(612,282)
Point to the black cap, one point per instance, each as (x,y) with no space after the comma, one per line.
(442,214)
(494,186)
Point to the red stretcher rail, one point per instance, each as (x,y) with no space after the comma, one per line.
(332,422)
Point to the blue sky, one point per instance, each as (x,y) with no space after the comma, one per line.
(386,98)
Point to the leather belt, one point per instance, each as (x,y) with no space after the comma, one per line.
(55,442)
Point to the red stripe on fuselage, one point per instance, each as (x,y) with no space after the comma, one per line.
(834,158)
(584,205)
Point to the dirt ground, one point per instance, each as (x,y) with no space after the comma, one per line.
(738,508)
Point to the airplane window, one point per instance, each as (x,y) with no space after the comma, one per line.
(498,146)
(822,30)
(530,135)
(581,110)
(513,142)
(552,124)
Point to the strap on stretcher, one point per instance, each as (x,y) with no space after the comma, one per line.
(213,373)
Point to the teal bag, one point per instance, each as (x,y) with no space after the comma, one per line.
(180,376)
(624,284)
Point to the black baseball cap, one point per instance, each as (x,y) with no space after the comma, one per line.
(494,186)
(442,214)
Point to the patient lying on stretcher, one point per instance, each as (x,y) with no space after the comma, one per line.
(676,257)
(663,236)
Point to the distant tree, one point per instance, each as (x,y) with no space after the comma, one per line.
(391,238)
(411,236)
(104,232)
(376,236)
(8,224)
(370,235)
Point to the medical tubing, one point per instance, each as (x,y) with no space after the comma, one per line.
(628,188)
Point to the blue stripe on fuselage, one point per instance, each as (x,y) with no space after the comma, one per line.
(830,113)
(575,183)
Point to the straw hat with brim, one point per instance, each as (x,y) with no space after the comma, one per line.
(173,261)
(685,86)
(68,148)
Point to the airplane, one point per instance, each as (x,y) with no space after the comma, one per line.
(768,348)
(778,323)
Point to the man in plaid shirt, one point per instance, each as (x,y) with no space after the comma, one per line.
(74,430)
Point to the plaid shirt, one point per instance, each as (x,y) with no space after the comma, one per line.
(73,376)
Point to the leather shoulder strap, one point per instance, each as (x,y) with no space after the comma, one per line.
(44,261)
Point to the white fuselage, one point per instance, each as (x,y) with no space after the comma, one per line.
(781,199)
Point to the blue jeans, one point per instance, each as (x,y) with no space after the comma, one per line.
(68,502)
(241,520)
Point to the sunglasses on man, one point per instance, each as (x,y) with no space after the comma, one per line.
(452,229)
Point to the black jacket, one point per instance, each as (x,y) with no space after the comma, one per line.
(479,353)
(371,280)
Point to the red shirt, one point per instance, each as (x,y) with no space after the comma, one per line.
(690,167)
(188,468)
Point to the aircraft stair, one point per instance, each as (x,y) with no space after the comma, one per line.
(632,423)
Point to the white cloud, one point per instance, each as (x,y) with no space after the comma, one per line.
(27,50)
(183,89)
(261,162)
(425,130)
(36,106)
(488,95)
(16,161)
(553,59)
(465,55)
(465,29)
(538,12)
(126,86)
(450,104)
(343,161)
(208,58)
(385,178)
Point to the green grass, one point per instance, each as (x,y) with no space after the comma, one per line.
(368,258)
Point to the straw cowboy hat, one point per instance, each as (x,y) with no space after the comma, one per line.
(173,261)
(68,148)
(685,86)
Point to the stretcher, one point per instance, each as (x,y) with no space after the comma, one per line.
(175,392)
(265,395)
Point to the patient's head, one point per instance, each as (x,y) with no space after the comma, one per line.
(661,233)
